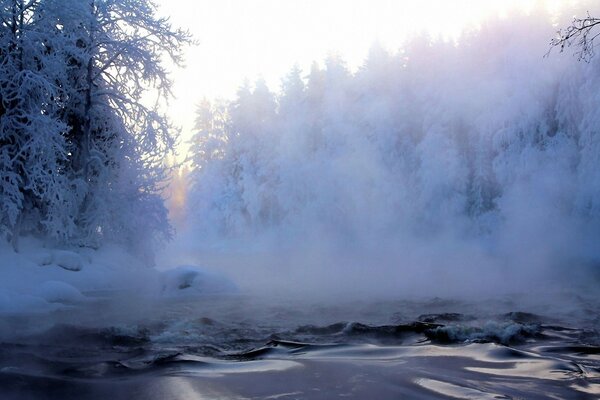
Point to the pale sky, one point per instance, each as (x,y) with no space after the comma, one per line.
(264,38)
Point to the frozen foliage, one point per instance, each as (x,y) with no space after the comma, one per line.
(82,158)
(485,139)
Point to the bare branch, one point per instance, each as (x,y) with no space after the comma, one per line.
(581,34)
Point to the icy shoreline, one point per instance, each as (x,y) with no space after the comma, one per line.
(42,279)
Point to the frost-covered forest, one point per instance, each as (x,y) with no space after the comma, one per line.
(482,140)
(82,151)
(486,142)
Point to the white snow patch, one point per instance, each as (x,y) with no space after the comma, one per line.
(17,303)
(60,292)
(31,282)
(190,279)
(68,260)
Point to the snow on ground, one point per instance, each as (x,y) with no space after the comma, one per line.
(42,279)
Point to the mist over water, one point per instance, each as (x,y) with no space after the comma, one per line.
(427,226)
(462,168)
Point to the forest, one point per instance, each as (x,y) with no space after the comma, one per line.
(84,146)
(492,141)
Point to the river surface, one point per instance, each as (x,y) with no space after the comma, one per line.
(241,347)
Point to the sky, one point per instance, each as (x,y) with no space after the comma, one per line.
(239,39)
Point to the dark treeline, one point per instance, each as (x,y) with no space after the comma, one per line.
(82,159)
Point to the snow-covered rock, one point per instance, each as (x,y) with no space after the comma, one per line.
(60,292)
(68,260)
(189,279)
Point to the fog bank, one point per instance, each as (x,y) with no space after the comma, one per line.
(443,169)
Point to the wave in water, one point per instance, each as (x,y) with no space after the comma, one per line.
(214,353)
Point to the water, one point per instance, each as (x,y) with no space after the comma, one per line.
(245,347)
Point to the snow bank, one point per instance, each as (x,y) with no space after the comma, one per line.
(60,292)
(189,279)
(39,279)
(12,303)
(68,260)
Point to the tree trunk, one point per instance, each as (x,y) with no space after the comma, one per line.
(16,233)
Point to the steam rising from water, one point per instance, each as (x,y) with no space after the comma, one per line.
(469,172)
(443,169)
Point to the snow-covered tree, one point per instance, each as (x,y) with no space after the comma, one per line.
(84,148)
(33,151)
(122,143)
(439,138)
